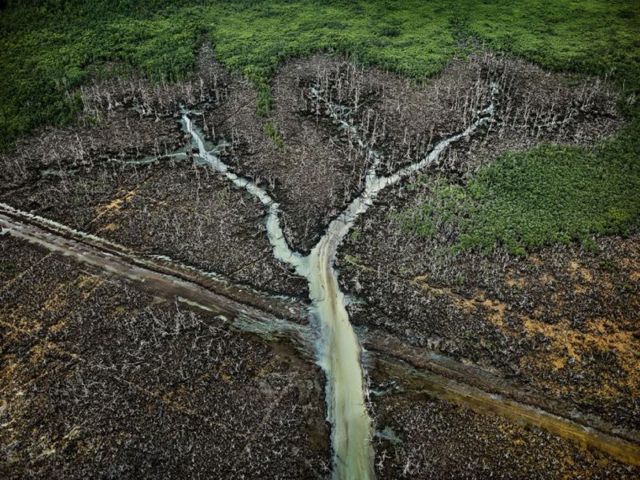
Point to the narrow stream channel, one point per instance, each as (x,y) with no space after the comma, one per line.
(339,351)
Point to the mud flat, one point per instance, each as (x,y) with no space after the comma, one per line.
(99,378)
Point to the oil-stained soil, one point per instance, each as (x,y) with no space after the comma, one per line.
(102,380)
(562,322)
(420,436)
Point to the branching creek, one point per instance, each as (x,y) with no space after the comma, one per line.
(330,339)
(338,349)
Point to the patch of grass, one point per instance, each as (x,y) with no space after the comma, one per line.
(273,133)
(550,194)
(591,36)
(48,49)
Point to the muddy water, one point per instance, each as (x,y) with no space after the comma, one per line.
(339,351)
(338,348)
(339,356)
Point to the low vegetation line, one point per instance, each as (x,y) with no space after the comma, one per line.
(50,48)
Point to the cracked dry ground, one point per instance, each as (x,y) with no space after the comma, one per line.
(100,378)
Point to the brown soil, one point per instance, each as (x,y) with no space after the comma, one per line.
(420,436)
(562,322)
(100,379)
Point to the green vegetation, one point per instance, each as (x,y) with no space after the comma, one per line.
(550,194)
(48,48)
(272,132)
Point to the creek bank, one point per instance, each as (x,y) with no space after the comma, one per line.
(339,350)
(561,322)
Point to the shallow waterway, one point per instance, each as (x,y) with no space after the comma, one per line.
(338,348)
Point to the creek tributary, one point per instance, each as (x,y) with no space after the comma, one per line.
(338,348)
